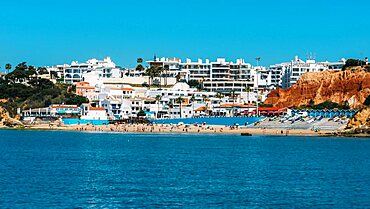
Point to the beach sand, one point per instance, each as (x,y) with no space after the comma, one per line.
(157,128)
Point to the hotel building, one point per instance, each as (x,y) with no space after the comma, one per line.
(105,68)
(218,76)
(286,74)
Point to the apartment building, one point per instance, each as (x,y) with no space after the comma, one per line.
(227,77)
(218,76)
(286,74)
(104,68)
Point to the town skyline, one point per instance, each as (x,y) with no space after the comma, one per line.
(274,31)
(251,61)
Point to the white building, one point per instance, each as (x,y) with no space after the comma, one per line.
(93,113)
(102,68)
(286,74)
(218,76)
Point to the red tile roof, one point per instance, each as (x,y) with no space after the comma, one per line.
(268,109)
(85,87)
(97,108)
(82,82)
(235,105)
(200,109)
(127,89)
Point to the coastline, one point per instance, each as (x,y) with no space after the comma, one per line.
(206,129)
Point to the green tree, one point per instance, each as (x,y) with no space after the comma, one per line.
(21,73)
(192,99)
(141,113)
(166,68)
(140,68)
(31,72)
(180,100)
(145,84)
(158,99)
(178,76)
(42,70)
(156,82)
(170,106)
(41,83)
(353,62)
(73,99)
(8,67)
(232,94)
(219,95)
(150,72)
(194,83)
(159,73)
(248,90)
(54,75)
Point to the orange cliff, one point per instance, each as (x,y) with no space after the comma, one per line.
(351,85)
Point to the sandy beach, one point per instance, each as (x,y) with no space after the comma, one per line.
(157,128)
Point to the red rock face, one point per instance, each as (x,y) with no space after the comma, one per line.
(351,85)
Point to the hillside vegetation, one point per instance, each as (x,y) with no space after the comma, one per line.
(23,89)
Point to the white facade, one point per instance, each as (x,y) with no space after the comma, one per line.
(103,69)
(93,113)
(218,76)
(286,74)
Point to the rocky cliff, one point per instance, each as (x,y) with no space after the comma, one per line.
(5,119)
(361,119)
(351,85)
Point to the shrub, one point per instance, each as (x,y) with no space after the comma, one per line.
(367,101)
(193,83)
(353,62)
(141,113)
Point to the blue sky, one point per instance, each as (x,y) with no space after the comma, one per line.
(44,32)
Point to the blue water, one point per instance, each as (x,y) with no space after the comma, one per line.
(75,121)
(229,121)
(40,169)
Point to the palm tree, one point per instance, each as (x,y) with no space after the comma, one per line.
(204,98)
(139,60)
(159,72)
(140,67)
(166,69)
(178,77)
(158,98)
(232,93)
(8,67)
(150,72)
(248,89)
(170,105)
(192,99)
(219,95)
(180,100)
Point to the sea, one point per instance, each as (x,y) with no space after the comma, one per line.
(66,169)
